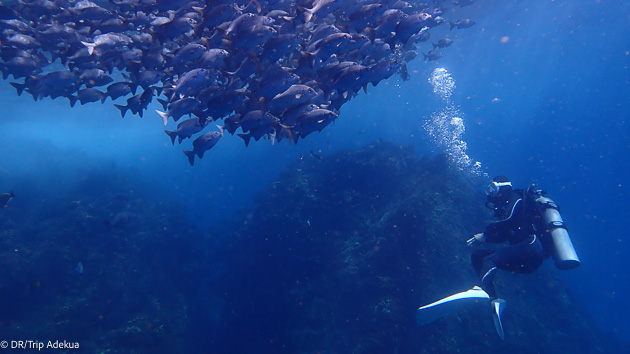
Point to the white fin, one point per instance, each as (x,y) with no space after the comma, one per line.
(443,307)
(498,305)
(164,116)
(90,47)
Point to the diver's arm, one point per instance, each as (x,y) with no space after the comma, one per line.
(496,232)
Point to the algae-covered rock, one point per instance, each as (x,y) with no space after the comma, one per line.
(118,289)
(335,257)
(338,254)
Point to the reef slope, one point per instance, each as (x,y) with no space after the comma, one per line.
(339,253)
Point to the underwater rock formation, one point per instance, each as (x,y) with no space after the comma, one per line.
(339,253)
(336,256)
(110,288)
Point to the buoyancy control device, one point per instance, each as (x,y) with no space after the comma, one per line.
(554,232)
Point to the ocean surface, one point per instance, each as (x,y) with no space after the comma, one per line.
(542,90)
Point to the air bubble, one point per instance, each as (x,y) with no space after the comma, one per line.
(446,126)
(442,82)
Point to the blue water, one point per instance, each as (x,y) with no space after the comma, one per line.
(545,91)
(562,121)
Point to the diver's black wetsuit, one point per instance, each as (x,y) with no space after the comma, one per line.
(525,253)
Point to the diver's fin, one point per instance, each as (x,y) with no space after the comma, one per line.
(441,308)
(498,305)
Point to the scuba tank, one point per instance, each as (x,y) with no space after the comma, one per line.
(556,235)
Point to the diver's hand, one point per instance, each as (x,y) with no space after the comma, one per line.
(476,240)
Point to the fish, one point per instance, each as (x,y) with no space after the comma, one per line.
(132,56)
(280,46)
(432,55)
(136,104)
(202,144)
(309,122)
(212,58)
(5,198)
(173,28)
(254,37)
(291,97)
(383,70)
(87,95)
(19,67)
(184,130)
(322,8)
(217,60)
(226,103)
(290,116)
(119,89)
(366,16)
(443,43)
(387,23)
(463,3)
(192,82)
(145,78)
(53,84)
(179,108)
(94,77)
(276,80)
(23,41)
(463,23)
(326,47)
(351,79)
(88,10)
(411,25)
(188,53)
(255,120)
(107,40)
(110,25)
(323,30)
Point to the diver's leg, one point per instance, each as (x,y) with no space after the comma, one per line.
(524,257)
(477,259)
(487,272)
(486,267)
(521,258)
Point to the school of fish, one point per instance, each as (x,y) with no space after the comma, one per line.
(274,69)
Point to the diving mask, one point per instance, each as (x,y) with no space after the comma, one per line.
(493,188)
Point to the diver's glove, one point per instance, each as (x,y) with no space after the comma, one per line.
(476,240)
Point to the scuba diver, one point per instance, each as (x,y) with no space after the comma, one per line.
(534,230)
(531,225)
(516,225)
